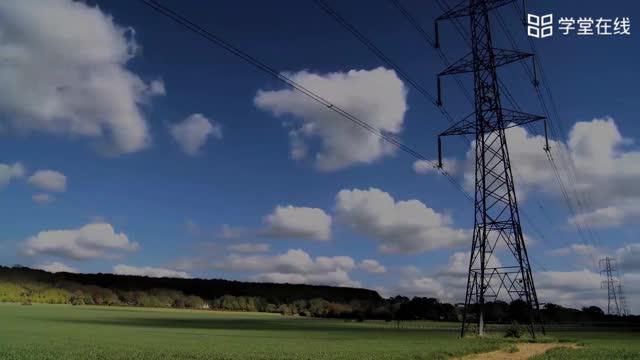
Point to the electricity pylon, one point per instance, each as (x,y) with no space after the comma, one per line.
(497,220)
(624,310)
(609,269)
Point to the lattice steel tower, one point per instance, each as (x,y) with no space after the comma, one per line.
(497,220)
(610,270)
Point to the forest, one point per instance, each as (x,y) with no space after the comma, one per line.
(24,285)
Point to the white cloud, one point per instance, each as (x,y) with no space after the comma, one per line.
(400,226)
(335,278)
(55,267)
(372,266)
(231,232)
(10,172)
(63,72)
(122,269)
(91,241)
(49,180)
(294,266)
(568,280)
(191,263)
(448,283)
(628,257)
(615,215)
(376,96)
(424,286)
(42,198)
(587,254)
(426,167)
(410,270)
(606,173)
(156,87)
(192,133)
(631,291)
(298,223)
(570,288)
(249,248)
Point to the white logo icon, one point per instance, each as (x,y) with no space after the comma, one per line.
(540,26)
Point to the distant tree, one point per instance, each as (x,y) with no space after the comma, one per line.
(285,309)
(593,310)
(77,298)
(180,303)
(230,302)
(193,302)
(519,311)
(318,307)
(497,311)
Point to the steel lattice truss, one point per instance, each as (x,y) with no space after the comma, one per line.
(610,270)
(497,221)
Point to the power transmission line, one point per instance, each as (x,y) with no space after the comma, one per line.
(567,160)
(610,270)
(497,217)
(193,27)
(324,5)
(558,178)
(432,43)
(380,54)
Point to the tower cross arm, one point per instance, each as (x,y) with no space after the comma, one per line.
(466,9)
(467,63)
(510,118)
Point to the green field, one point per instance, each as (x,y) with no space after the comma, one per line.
(87,332)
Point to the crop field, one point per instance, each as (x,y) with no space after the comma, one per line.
(88,332)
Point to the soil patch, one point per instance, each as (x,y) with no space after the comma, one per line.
(525,351)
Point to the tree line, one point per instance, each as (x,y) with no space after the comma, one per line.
(25,285)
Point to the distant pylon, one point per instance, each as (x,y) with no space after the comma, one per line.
(624,311)
(610,270)
(497,220)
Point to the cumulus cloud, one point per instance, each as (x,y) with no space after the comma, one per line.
(156,87)
(629,257)
(90,93)
(122,269)
(55,267)
(191,263)
(10,172)
(570,288)
(566,288)
(49,180)
(624,212)
(414,282)
(91,241)
(298,223)
(426,167)
(587,254)
(606,173)
(400,226)
(231,232)
(249,248)
(192,133)
(336,278)
(372,266)
(376,96)
(42,198)
(294,266)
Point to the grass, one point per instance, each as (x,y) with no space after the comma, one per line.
(596,346)
(88,332)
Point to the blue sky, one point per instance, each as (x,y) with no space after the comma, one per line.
(174,159)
